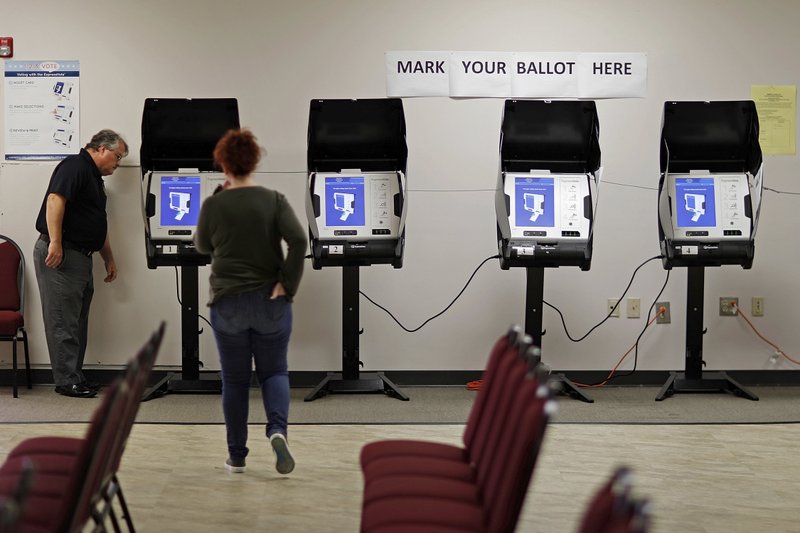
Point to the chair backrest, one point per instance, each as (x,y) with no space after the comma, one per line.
(504,484)
(12,276)
(12,507)
(505,454)
(111,442)
(487,385)
(137,375)
(100,439)
(510,373)
(100,426)
(613,509)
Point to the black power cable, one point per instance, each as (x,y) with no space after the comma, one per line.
(178,294)
(443,311)
(646,324)
(611,312)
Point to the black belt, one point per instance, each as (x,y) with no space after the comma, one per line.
(68,245)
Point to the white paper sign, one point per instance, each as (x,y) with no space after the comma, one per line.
(417,74)
(476,74)
(612,75)
(517,74)
(544,75)
(42,104)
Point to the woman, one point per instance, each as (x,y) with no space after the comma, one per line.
(252,285)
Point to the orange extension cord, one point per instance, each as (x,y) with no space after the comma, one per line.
(476,385)
(614,370)
(778,350)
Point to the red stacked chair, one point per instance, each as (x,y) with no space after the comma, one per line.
(12,305)
(61,478)
(11,505)
(76,477)
(500,354)
(613,509)
(420,486)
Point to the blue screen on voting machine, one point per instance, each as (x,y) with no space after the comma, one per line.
(344,201)
(694,202)
(534,202)
(180,200)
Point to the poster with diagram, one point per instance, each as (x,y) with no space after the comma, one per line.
(42,104)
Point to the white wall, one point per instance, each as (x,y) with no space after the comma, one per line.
(275,56)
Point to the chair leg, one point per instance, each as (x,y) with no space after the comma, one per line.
(14,367)
(27,359)
(126,514)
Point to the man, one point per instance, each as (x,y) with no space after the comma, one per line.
(72,225)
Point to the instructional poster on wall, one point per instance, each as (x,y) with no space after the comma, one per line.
(42,110)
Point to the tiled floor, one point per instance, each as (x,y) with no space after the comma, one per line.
(705,478)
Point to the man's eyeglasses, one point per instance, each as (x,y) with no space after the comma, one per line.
(116,154)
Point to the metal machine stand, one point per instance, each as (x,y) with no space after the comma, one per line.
(534,297)
(190,380)
(350,380)
(694,379)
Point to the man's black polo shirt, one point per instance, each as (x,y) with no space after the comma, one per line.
(78,179)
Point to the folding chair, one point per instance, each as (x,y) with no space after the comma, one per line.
(501,351)
(12,304)
(484,489)
(102,486)
(137,376)
(62,478)
(11,506)
(613,509)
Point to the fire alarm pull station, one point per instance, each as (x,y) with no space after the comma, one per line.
(6,47)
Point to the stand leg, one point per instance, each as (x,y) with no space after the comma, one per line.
(534,298)
(694,379)
(391,389)
(159,389)
(668,388)
(368,382)
(190,345)
(350,380)
(735,388)
(321,389)
(190,380)
(569,388)
(708,382)
(171,383)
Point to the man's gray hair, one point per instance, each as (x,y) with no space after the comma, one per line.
(108,138)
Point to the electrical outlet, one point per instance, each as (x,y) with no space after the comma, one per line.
(757,306)
(634,308)
(613,308)
(728,306)
(665,317)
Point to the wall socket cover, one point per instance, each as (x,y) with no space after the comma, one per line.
(666,318)
(634,308)
(727,307)
(757,306)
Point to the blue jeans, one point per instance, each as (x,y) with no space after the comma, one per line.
(250,326)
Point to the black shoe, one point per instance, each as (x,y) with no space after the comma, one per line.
(91,385)
(79,390)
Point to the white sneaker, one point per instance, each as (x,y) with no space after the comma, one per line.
(284,462)
(236,466)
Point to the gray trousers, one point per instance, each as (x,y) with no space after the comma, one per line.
(66,293)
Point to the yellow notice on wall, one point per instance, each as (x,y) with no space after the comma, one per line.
(777,116)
